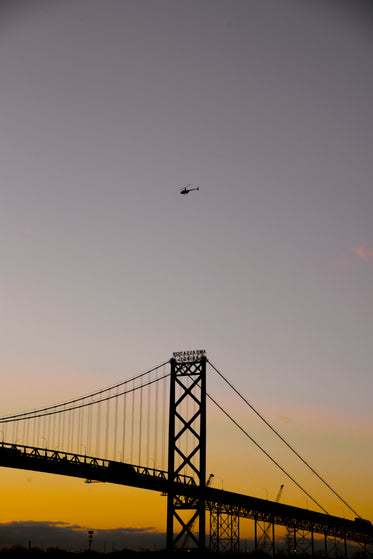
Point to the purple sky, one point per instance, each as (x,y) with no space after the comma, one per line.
(106,109)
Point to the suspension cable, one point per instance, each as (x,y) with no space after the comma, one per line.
(284,441)
(81,398)
(264,451)
(46,411)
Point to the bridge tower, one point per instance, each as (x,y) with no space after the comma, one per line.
(186,515)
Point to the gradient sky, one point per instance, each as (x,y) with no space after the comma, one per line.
(107,108)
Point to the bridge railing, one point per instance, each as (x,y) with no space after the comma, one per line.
(90,467)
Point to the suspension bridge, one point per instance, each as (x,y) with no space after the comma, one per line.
(150,432)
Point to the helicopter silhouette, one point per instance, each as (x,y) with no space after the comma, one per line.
(186,189)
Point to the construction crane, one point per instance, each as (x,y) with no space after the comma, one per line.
(209,481)
(267,527)
(279,493)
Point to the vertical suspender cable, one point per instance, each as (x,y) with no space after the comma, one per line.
(133,420)
(37,431)
(98,428)
(107,427)
(48,432)
(74,430)
(14,425)
(156,412)
(164,424)
(89,427)
(59,419)
(123,459)
(15,430)
(115,426)
(70,430)
(27,421)
(24,439)
(67,429)
(78,447)
(84,411)
(149,390)
(44,432)
(140,424)
(60,436)
(53,428)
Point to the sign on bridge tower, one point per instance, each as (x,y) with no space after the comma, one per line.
(186,521)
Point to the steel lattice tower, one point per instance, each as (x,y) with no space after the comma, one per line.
(224,530)
(186,522)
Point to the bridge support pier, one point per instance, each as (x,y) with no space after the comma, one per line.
(224,530)
(334,547)
(300,542)
(187,451)
(264,537)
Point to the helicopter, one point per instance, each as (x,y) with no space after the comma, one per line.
(186,189)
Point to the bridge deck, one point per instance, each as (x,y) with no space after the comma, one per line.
(95,469)
(86,467)
(287,515)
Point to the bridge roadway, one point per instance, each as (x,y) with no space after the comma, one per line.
(96,469)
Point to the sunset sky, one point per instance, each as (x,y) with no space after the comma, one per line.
(107,109)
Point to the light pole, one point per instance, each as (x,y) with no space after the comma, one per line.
(90,538)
